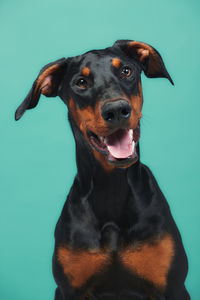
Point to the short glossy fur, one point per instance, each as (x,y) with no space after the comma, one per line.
(115,238)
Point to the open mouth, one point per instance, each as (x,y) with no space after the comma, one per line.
(120,146)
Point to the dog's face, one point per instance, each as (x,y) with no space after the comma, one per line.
(104,97)
(102,89)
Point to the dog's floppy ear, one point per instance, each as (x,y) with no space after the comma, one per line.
(148,57)
(47,83)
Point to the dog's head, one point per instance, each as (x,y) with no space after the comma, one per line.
(102,89)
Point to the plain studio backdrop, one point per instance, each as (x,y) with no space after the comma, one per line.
(37,153)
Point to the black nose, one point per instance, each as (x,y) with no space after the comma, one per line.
(116,112)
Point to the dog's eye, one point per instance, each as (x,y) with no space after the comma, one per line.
(82,83)
(126,72)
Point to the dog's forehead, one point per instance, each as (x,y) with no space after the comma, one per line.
(98,59)
(92,58)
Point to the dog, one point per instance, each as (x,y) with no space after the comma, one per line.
(116,237)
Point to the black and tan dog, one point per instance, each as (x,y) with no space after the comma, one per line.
(116,238)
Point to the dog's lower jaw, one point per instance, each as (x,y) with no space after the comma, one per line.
(123,163)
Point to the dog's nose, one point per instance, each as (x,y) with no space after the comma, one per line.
(116,112)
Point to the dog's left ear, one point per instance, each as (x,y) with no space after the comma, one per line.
(148,57)
(47,83)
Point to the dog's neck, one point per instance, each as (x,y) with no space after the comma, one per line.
(111,189)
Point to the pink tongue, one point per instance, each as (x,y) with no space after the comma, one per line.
(119,143)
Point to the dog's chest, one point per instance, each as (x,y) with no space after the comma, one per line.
(149,260)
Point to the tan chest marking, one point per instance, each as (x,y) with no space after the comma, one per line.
(80,266)
(151,261)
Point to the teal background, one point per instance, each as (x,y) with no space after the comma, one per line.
(37,154)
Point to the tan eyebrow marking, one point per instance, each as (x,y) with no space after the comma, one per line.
(86,71)
(116,62)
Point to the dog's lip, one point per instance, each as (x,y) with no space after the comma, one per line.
(124,161)
(99,144)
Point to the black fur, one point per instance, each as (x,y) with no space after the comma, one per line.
(110,210)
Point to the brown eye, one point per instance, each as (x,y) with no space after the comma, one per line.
(126,72)
(82,83)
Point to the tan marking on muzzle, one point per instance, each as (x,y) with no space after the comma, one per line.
(91,119)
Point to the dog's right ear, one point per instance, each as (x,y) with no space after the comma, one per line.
(47,83)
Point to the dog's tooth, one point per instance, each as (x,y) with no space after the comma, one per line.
(130,133)
(133,147)
(102,138)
